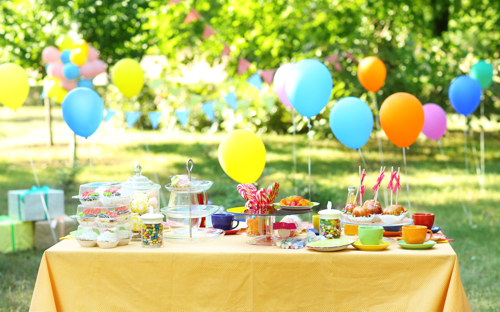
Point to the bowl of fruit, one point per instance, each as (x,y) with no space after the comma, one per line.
(296,202)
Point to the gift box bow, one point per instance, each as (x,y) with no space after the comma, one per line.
(34,190)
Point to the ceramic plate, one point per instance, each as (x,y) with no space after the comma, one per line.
(228,232)
(435,229)
(330,244)
(296,207)
(393,234)
(382,246)
(436,237)
(425,245)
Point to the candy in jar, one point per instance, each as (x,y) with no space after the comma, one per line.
(152,230)
(329,223)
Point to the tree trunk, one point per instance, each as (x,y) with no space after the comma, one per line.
(48,120)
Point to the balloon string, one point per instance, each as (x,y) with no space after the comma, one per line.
(459,194)
(363,159)
(42,198)
(90,161)
(162,198)
(466,158)
(379,140)
(309,164)
(474,154)
(482,147)
(294,155)
(407,184)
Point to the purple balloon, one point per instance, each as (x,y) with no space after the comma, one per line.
(279,83)
(434,121)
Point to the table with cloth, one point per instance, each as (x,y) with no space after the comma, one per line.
(228,274)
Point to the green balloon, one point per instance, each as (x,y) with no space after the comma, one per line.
(483,73)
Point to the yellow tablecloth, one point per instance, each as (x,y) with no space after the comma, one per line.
(230,275)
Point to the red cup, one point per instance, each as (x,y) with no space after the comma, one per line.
(426,219)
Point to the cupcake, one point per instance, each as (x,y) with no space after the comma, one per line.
(107,240)
(107,219)
(123,214)
(90,198)
(124,235)
(180,181)
(87,216)
(115,197)
(88,238)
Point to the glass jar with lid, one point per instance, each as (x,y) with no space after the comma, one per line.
(329,222)
(152,230)
(145,192)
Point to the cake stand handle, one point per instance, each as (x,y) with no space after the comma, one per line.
(189,167)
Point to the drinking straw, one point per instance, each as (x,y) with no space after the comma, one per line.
(379,181)
(407,184)
(359,188)
(390,182)
(398,184)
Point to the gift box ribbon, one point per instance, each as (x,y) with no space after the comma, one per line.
(6,219)
(35,189)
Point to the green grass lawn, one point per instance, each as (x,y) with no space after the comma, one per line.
(334,168)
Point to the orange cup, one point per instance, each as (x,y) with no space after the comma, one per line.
(350,229)
(415,234)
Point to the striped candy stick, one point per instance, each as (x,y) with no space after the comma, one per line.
(242,190)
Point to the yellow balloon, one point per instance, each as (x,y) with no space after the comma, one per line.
(128,77)
(65,43)
(56,92)
(14,86)
(78,56)
(242,155)
(83,45)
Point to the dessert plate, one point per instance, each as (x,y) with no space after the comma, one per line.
(383,245)
(229,232)
(426,245)
(296,207)
(436,237)
(393,234)
(330,244)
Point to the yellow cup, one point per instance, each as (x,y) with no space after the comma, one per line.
(350,229)
(316,222)
(415,234)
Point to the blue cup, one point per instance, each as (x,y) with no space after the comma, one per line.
(224,221)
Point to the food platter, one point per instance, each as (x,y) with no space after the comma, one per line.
(291,208)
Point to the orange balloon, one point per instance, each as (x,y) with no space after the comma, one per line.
(402,118)
(371,73)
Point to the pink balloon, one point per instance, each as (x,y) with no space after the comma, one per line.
(68,85)
(93,54)
(434,121)
(99,67)
(55,70)
(87,70)
(50,54)
(279,83)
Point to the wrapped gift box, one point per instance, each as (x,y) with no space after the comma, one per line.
(27,205)
(15,235)
(43,235)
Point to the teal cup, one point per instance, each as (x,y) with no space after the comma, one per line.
(370,235)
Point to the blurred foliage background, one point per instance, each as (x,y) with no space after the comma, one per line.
(424,44)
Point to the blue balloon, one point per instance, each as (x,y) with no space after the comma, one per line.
(71,71)
(351,120)
(83,111)
(308,86)
(47,67)
(465,94)
(65,56)
(85,83)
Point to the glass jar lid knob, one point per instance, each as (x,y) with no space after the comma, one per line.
(137,170)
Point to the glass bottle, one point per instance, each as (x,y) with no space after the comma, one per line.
(351,194)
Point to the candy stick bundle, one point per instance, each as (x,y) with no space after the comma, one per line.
(258,201)
(379,181)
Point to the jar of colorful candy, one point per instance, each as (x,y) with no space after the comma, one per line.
(152,230)
(329,223)
(256,225)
